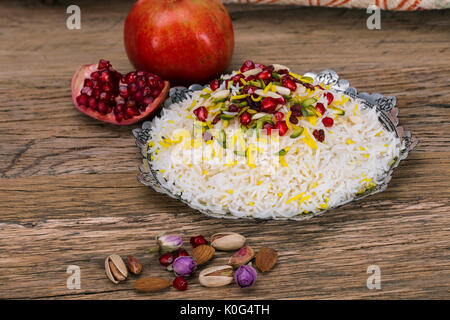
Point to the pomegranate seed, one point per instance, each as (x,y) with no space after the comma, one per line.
(319,135)
(82,100)
(147,92)
(180,253)
(269,68)
(251,77)
(106,77)
(87,82)
(140,82)
(95,75)
(252,90)
(283,71)
(103,64)
(166,259)
(156,92)
(95,84)
(233,108)
(282,127)
(198,240)
(268,127)
(102,107)
(246,118)
(279,116)
(96,93)
(216,119)
(104,96)
(87,91)
(289,83)
(293,119)
(260,66)
(92,103)
(268,105)
(120,108)
(131,103)
(130,77)
(265,75)
(327,122)
(247,65)
(138,96)
(147,100)
(237,78)
(132,89)
(320,107)
(214,85)
(329,97)
(296,110)
(180,283)
(201,113)
(123,91)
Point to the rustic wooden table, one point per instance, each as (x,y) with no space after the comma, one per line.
(68,188)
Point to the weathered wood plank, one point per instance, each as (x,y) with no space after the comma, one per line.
(68,189)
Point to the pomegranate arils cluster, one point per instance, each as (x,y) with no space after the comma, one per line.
(127,96)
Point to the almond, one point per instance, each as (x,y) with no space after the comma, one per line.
(203,253)
(265,259)
(151,284)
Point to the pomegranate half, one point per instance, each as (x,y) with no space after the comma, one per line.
(184,41)
(105,94)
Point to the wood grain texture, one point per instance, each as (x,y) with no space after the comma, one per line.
(68,188)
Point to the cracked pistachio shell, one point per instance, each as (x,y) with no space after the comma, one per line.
(115,268)
(228,241)
(216,276)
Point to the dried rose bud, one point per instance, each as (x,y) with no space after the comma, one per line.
(184,266)
(168,243)
(245,276)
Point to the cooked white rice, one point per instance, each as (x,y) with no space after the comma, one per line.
(355,156)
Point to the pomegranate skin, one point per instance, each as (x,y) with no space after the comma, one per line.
(183,41)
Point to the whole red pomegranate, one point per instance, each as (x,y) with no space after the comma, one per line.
(184,41)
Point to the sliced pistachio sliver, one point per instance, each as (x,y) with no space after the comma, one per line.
(309,101)
(226,116)
(308,111)
(256,83)
(282,152)
(219,100)
(242,111)
(222,139)
(296,133)
(251,111)
(240,153)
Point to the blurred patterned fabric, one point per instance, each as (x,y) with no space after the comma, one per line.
(407,5)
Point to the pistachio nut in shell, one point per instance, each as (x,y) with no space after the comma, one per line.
(115,268)
(227,241)
(242,256)
(216,276)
